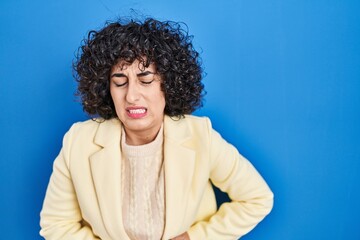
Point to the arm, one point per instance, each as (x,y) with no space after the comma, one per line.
(60,217)
(251,198)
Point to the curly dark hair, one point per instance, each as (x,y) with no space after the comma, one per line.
(166,44)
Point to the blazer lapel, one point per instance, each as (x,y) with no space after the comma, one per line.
(106,172)
(179,160)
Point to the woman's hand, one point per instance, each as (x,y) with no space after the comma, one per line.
(183,236)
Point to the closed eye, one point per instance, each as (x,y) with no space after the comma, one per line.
(120,84)
(146,82)
(120,78)
(146,78)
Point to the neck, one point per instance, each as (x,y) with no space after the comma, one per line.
(142,137)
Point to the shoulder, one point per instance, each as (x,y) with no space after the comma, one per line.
(188,126)
(89,129)
(85,126)
(196,119)
(189,121)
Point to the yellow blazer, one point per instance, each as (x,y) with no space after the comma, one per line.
(83,199)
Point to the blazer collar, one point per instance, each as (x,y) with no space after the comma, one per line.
(108,132)
(106,173)
(179,157)
(179,160)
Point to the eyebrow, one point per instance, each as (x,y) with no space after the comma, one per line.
(118,75)
(142,74)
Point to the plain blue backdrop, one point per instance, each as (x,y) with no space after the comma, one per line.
(283,85)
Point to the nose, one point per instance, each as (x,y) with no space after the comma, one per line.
(133,93)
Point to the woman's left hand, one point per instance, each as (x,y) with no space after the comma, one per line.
(184,236)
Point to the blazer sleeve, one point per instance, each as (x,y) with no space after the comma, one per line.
(251,198)
(60,217)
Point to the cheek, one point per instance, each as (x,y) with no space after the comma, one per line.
(157,101)
(156,96)
(117,100)
(112,94)
(162,103)
(160,98)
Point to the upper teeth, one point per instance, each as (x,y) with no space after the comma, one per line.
(137,111)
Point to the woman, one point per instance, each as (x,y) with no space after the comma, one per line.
(143,168)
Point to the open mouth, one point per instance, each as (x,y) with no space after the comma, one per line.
(138,112)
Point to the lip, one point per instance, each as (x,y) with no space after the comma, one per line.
(136,112)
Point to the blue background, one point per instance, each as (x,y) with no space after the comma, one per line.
(283,85)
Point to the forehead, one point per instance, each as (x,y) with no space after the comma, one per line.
(134,66)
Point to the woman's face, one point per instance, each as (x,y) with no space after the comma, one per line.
(138,98)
